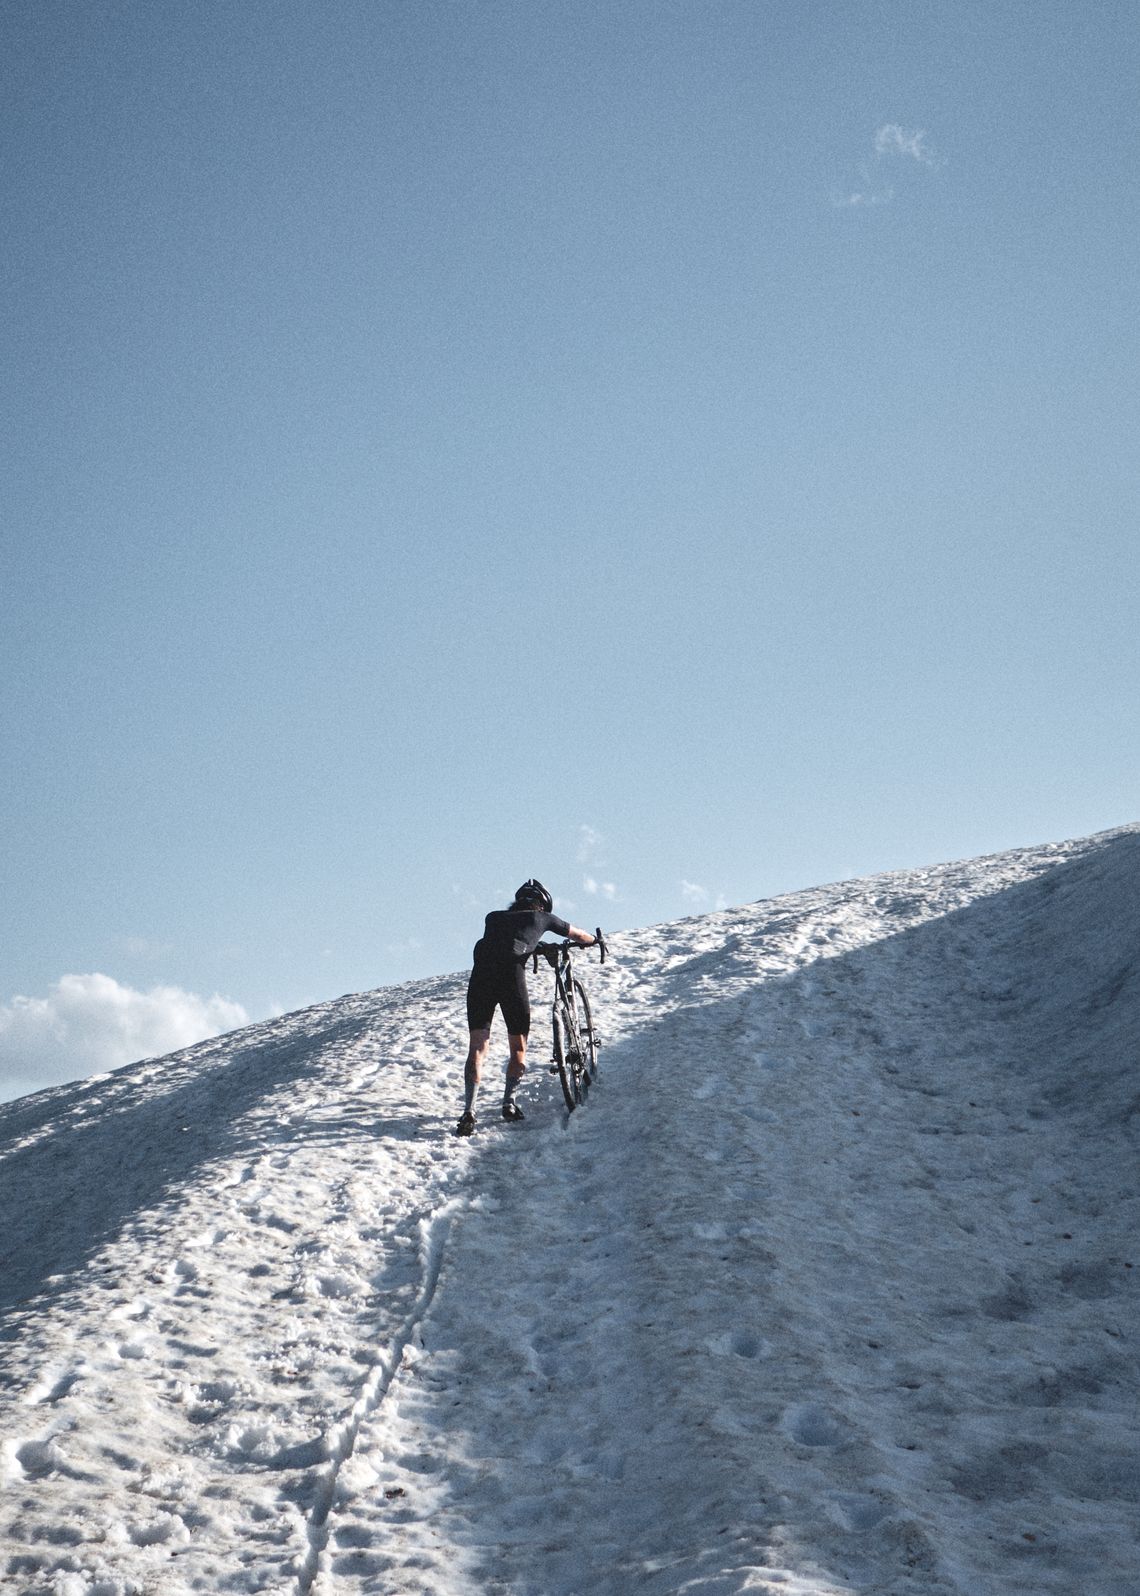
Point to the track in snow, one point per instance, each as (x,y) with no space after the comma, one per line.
(342,1437)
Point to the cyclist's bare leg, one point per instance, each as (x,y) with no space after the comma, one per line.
(516,1064)
(473,1069)
(516,1067)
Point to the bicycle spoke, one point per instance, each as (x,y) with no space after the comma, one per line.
(587,1039)
(566,1056)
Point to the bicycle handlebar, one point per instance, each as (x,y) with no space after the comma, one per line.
(552,951)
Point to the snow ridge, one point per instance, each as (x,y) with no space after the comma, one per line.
(829,1289)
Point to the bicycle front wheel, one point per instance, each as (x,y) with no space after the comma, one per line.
(587,1040)
(566,1056)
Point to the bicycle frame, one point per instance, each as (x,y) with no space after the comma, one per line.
(563,977)
(571,1021)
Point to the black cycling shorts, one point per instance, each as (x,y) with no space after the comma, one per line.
(503,986)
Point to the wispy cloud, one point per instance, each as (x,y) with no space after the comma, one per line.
(892,143)
(589,844)
(91,1023)
(591,852)
(891,139)
(694,893)
(868,194)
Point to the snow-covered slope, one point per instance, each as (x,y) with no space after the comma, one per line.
(829,1287)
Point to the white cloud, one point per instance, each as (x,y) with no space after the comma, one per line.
(891,139)
(867,195)
(589,844)
(90,1023)
(692,893)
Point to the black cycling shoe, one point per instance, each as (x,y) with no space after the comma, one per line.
(512,1111)
(466,1126)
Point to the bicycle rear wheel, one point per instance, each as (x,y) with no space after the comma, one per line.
(586,1037)
(567,1056)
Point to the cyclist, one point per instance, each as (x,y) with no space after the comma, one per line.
(498,979)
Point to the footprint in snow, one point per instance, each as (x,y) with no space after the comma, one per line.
(208,1238)
(812,1425)
(739,1344)
(53,1387)
(218,1392)
(158,1531)
(336,1286)
(38,1459)
(856,1513)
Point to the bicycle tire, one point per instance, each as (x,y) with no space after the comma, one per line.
(587,1039)
(566,1055)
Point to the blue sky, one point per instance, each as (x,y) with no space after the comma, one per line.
(683,451)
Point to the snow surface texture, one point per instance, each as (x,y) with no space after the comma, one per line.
(828,1288)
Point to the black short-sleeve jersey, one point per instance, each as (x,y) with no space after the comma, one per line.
(510,936)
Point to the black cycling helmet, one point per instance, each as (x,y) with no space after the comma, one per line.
(533,895)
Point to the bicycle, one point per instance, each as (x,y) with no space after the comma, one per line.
(575,1059)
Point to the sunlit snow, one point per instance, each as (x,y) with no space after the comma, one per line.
(827,1289)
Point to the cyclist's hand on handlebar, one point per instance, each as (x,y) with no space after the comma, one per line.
(585,940)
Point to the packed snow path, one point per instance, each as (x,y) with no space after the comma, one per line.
(827,1289)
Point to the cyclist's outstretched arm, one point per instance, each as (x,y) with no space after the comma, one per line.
(584,939)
